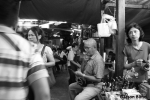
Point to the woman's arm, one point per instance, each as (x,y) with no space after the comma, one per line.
(51,61)
(128,65)
(50,57)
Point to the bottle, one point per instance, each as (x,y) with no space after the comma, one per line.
(117,84)
(113,85)
(114,65)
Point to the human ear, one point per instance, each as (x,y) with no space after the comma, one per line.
(39,37)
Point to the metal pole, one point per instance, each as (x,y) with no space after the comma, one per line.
(120,8)
(101,40)
(18,13)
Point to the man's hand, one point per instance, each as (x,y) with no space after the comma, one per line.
(79,74)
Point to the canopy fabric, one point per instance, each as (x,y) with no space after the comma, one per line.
(80,11)
(74,11)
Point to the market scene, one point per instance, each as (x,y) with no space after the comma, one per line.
(74,50)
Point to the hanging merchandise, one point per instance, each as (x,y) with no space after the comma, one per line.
(103,28)
(107,26)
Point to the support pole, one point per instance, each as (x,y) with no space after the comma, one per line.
(120,4)
(101,40)
(18,13)
(101,46)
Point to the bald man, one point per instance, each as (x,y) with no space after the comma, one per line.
(93,72)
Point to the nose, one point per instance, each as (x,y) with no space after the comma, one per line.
(133,33)
(29,37)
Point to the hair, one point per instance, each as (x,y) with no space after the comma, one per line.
(92,42)
(112,54)
(54,49)
(38,31)
(9,12)
(135,25)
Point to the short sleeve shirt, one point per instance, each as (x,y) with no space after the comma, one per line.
(95,67)
(47,51)
(133,54)
(71,55)
(16,67)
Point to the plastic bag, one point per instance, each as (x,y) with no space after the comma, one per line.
(107,26)
(103,28)
(112,26)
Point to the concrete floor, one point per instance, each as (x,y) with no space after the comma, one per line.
(60,90)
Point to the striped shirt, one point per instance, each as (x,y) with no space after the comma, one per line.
(18,67)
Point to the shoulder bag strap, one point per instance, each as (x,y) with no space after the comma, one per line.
(10,41)
(43,49)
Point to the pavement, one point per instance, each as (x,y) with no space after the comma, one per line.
(60,89)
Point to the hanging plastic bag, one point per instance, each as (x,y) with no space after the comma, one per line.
(112,26)
(107,26)
(111,23)
(103,28)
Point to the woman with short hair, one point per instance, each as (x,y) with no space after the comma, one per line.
(136,52)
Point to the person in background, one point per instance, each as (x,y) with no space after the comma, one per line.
(63,55)
(58,59)
(136,52)
(109,66)
(71,62)
(111,57)
(36,35)
(92,72)
(19,64)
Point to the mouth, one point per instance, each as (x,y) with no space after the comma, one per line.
(133,37)
(30,40)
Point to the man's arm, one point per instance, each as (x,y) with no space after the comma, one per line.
(88,77)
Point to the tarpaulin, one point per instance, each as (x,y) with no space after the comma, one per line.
(74,11)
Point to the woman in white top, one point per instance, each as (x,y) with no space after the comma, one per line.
(36,35)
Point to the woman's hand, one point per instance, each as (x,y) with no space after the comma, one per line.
(139,62)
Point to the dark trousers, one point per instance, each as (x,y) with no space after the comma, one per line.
(72,78)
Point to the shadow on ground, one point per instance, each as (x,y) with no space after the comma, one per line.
(60,90)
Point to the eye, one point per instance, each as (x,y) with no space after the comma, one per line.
(130,32)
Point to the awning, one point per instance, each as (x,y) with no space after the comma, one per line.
(74,11)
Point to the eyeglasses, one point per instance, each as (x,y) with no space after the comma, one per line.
(87,48)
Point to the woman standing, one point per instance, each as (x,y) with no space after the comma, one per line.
(36,35)
(136,54)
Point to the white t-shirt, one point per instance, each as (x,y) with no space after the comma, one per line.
(71,55)
(62,54)
(47,51)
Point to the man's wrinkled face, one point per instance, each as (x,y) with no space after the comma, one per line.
(88,49)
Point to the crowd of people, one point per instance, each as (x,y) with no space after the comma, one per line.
(27,65)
